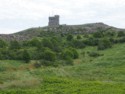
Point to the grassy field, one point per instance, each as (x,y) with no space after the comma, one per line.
(89,75)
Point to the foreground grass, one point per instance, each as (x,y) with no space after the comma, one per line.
(101,75)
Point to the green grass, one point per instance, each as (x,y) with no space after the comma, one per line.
(101,75)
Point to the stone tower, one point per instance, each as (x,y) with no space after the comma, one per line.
(54,21)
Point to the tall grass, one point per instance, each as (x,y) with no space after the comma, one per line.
(89,75)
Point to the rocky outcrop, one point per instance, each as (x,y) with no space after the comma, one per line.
(33,32)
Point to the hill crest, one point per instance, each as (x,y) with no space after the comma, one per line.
(34,32)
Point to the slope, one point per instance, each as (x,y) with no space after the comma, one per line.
(101,75)
(33,32)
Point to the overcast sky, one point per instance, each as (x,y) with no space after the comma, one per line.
(17,15)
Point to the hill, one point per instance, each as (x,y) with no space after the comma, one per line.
(33,32)
(101,75)
(90,63)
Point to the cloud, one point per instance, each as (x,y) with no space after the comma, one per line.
(22,14)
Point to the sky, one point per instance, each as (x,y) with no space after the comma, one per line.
(18,15)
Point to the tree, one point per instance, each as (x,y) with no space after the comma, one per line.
(15,45)
(2,43)
(26,56)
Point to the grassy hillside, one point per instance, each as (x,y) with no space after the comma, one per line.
(89,75)
(60,63)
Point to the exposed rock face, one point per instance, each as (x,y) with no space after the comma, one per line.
(33,32)
(81,28)
(10,37)
(22,35)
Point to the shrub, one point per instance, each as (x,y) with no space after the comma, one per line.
(121,33)
(69,37)
(121,40)
(66,54)
(69,61)
(94,54)
(47,43)
(26,56)
(78,44)
(110,33)
(79,37)
(56,44)
(91,41)
(98,34)
(75,53)
(3,44)
(49,55)
(35,42)
(48,63)
(37,64)
(69,54)
(104,44)
(62,35)
(15,45)
(2,69)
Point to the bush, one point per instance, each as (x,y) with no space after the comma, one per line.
(91,41)
(35,42)
(47,43)
(78,44)
(121,33)
(15,45)
(66,54)
(79,37)
(48,63)
(26,56)
(94,54)
(3,44)
(69,61)
(37,64)
(56,44)
(49,55)
(104,44)
(2,69)
(121,40)
(75,53)
(70,53)
(110,33)
(69,37)
(98,34)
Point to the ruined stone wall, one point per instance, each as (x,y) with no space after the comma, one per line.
(54,21)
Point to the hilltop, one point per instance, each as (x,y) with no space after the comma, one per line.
(54,62)
(75,29)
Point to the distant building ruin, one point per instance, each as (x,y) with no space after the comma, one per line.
(53,21)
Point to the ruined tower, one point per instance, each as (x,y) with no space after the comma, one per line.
(53,21)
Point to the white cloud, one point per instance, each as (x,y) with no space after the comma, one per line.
(21,14)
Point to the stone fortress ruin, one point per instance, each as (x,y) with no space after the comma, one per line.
(55,26)
(53,21)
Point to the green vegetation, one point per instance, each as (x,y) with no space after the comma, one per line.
(26,56)
(64,64)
